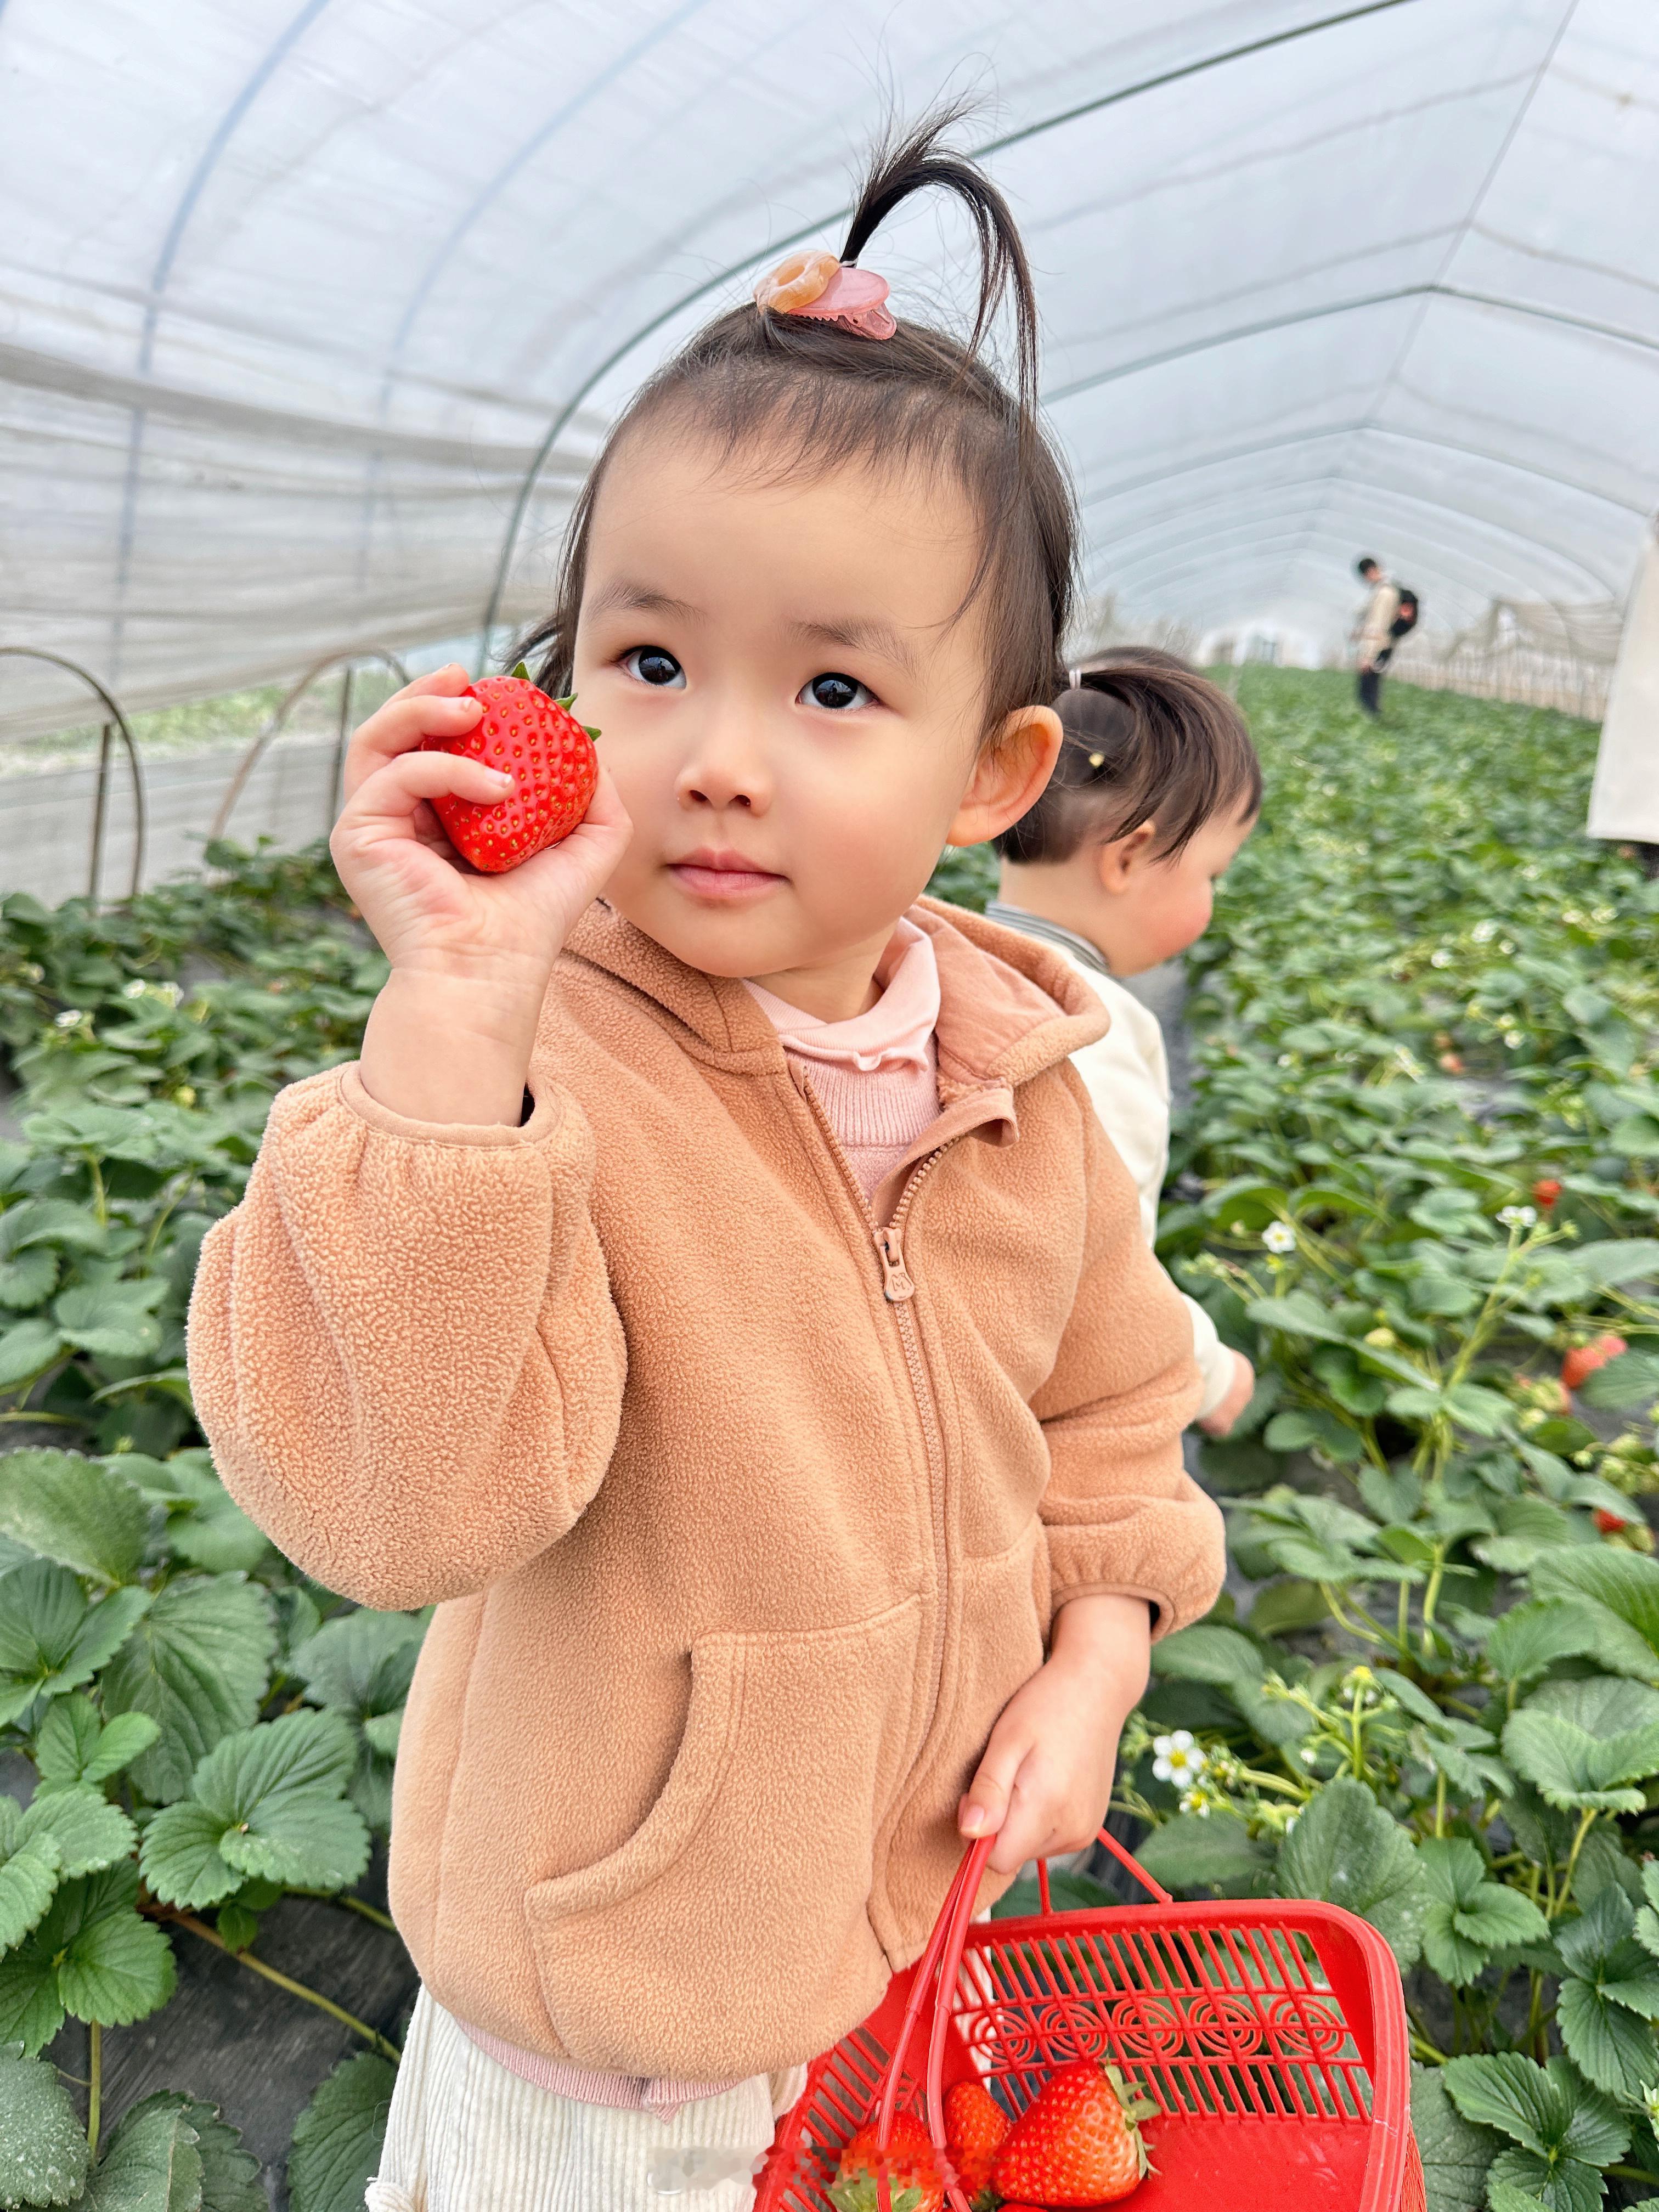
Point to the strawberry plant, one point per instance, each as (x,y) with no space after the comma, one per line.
(204,1731)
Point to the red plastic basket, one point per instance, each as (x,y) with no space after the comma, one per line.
(1270,2035)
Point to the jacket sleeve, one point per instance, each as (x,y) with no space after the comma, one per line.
(1123,1516)
(403,1345)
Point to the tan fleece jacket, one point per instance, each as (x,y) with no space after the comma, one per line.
(746,1516)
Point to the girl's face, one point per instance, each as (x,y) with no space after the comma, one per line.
(1151,910)
(790,708)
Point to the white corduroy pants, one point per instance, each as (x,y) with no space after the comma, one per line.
(465,2135)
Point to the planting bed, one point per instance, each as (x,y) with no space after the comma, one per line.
(1420,1165)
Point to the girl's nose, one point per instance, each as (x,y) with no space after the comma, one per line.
(729,774)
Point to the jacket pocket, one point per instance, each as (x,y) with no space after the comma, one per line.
(730,1934)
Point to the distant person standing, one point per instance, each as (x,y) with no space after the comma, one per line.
(1374,633)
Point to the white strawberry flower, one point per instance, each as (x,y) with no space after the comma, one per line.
(70,1018)
(1484,931)
(1517,1217)
(134,989)
(1279,1237)
(1440,959)
(1178,1759)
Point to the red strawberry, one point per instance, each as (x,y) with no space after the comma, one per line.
(975,2125)
(911,2166)
(1582,1361)
(1546,1190)
(1609,1524)
(1079,2143)
(548,754)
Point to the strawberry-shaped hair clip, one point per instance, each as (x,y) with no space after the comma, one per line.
(816,286)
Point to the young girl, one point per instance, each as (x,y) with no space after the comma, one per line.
(718,1294)
(1157,787)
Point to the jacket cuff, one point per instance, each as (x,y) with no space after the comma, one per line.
(1171,1551)
(475,1136)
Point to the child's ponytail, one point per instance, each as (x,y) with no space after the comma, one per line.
(1147,738)
(803,395)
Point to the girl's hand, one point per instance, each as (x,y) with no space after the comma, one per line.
(1219,1421)
(1045,1782)
(450,1037)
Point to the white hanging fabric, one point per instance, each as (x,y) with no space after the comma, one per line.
(1625,796)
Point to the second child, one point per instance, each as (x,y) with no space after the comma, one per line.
(1157,787)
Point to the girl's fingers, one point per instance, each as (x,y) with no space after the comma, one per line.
(985,1809)
(396,790)
(431,707)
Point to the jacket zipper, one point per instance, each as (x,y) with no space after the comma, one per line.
(898,1288)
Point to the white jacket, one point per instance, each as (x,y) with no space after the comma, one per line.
(1127,1075)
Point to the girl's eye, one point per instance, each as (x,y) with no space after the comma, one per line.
(835,693)
(649,664)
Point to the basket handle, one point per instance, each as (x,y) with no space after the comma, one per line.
(935,1976)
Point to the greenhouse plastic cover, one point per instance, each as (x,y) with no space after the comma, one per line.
(313,311)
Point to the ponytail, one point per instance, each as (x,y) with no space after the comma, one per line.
(1147,739)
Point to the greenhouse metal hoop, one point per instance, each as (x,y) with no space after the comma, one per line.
(117,721)
(251,758)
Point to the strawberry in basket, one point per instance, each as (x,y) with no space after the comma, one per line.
(974,2126)
(1078,2143)
(913,2176)
(548,753)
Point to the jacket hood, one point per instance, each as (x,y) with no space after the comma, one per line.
(1009,1007)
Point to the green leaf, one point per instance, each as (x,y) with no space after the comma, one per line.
(151,2163)
(77,1511)
(1470,1916)
(229,2176)
(1572,1770)
(26,1348)
(1191,1852)
(1617,1260)
(217,1536)
(364,1661)
(339,2137)
(111,1319)
(1548,2110)
(54,1221)
(89,1832)
(27,1279)
(1297,1315)
(1531,1638)
(268,1801)
(1456,2155)
(1346,1849)
(42,2146)
(198,1667)
(1625,1583)
(1569,2185)
(1608,1996)
(74,1746)
(29,1870)
(1625,1384)
(1611,2047)
(91,1955)
(51,1639)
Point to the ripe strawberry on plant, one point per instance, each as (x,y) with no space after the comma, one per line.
(974,2126)
(912,2168)
(1582,1362)
(1078,2143)
(1545,1191)
(548,755)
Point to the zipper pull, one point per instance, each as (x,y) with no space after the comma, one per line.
(896,1283)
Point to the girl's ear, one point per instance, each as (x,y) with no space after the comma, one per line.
(1120,864)
(1009,776)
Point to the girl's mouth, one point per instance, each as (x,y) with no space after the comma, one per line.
(721,878)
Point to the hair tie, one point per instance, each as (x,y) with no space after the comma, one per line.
(814,285)
(1074,679)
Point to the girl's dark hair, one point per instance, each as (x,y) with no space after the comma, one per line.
(816,397)
(1147,739)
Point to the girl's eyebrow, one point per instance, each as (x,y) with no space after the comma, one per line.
(862,634)
(623,595)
